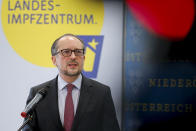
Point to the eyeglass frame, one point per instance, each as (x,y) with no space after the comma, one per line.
(71,52)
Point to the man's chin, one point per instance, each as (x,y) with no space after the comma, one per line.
(72,73)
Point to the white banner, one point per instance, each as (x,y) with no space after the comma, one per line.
(27,30)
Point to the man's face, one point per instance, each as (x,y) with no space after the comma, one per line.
(69,65)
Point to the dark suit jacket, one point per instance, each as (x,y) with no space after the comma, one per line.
(95,111)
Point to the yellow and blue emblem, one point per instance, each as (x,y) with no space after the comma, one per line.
(93,47)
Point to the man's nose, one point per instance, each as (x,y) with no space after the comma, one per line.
(73,56)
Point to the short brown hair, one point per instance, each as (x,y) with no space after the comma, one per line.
(54,45)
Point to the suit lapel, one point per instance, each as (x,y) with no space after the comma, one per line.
(52,102)
(85,96)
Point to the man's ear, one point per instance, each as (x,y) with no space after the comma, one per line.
(53,60)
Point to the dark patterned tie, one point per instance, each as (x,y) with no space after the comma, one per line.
(69,109)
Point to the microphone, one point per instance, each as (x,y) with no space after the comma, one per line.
(33,103)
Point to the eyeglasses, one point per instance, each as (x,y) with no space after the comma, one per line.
(68,52)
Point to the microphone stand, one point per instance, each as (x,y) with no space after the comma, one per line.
(29,118)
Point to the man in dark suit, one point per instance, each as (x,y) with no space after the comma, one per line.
(73,102)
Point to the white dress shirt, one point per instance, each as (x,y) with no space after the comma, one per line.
(62,93)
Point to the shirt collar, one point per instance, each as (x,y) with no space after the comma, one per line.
(77,83)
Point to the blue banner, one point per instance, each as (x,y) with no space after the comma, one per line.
(160,88)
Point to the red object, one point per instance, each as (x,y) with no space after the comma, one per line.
(69,109)
(168,18)
(24,115)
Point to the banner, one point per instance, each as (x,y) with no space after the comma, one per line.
(160,80)
(28,29)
